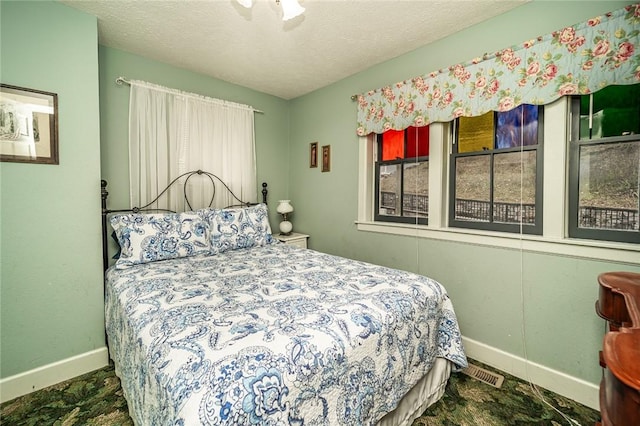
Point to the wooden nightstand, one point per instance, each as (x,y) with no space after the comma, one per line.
(294,239)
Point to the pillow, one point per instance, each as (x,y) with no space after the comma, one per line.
(147,238)
(236,228)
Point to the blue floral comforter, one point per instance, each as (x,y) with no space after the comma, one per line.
(273,335)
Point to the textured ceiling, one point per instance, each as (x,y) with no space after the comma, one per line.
(254,48)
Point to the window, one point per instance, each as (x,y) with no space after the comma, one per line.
(604,177)
(402,176)
(496,171)
(553,201)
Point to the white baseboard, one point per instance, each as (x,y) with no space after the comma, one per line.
(47,375)
(579,390)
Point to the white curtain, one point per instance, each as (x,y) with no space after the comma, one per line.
(173,132)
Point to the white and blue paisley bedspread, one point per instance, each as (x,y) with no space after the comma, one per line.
(273,335)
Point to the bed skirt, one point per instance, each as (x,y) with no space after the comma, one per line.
(424,394)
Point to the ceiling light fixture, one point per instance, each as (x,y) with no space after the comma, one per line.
(290,8)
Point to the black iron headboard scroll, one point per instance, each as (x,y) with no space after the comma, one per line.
(104,194)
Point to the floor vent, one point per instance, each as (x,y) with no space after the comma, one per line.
(486,376)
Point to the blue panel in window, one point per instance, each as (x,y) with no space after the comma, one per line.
(518,127)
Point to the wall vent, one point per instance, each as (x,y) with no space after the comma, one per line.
(486,376)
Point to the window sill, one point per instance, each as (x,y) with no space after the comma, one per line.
(587,249)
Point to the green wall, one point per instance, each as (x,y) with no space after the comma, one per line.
(271,126)
(51,303)
(493,289)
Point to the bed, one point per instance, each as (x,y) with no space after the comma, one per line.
(210,320)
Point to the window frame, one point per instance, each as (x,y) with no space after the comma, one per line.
(573,184)
(537,227)
(401,162)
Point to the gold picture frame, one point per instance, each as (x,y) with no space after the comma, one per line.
(326,158)
(28,125)
(313,154)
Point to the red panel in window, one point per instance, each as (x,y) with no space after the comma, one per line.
(392,145)
(417,142)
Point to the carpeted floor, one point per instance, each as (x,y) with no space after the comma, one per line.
(96,399)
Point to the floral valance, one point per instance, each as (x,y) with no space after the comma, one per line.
(580,59)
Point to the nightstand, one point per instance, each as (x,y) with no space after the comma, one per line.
(294,239)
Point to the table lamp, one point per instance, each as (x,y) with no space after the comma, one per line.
(285,208)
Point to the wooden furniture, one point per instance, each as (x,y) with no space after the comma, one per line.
(294,239)
(619,304)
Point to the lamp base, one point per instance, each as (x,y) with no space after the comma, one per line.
(285,227)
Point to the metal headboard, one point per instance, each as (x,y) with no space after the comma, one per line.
(105,211)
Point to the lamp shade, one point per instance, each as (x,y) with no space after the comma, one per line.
(284,207)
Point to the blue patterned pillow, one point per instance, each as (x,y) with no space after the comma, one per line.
(146,238)
(238,227)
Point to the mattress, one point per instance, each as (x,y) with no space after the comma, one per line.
(277,335)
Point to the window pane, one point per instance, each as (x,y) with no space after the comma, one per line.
(514,191)
(517,127)
(417,142)
(616,112)
(475,133)
(392,145)
(609,186)
(389,197)
(473,183)
(415,199)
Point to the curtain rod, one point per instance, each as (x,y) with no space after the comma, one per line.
(122,80)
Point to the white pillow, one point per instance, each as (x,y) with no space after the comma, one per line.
(150,237)
(240,227)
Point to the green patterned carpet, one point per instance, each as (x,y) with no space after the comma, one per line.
(96,399)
